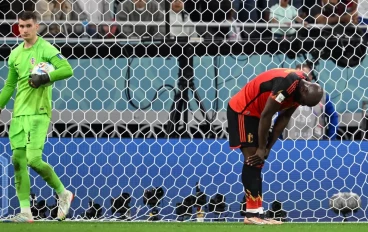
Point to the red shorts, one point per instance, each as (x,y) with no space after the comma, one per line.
(242,129)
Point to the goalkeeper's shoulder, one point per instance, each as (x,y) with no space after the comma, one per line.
(15,52)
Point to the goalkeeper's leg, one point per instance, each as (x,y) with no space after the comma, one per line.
(22,182)
(22,186)
(17,139)
(36,140)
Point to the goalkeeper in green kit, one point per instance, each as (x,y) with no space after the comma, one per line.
(32,114)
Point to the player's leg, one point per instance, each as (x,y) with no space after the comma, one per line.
(22,182)
(19,159)
(251,175)
(251,179)
(238,139)
(36,128)
(255,186)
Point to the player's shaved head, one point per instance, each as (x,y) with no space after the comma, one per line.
(310,94)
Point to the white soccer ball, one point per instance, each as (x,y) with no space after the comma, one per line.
(345,202)
(42,68)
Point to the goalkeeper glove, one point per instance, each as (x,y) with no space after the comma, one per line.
(36,80)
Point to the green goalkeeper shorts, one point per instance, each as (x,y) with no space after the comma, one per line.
(29,131)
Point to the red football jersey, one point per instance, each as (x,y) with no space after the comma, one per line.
(279,83)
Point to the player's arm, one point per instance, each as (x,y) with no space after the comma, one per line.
(9,87)
(280,92)
(62,71)
(271,108)
(280,125)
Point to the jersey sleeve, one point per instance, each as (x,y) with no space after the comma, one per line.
(285,87)
(63,69)
(10,85)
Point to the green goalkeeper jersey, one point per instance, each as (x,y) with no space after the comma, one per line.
(28,100)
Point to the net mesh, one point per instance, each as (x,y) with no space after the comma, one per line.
(140,132)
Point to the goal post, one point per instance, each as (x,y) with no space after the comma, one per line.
(122,142)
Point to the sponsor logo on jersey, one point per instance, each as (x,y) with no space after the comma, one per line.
(33,60)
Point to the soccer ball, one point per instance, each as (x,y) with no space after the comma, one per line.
(43,68)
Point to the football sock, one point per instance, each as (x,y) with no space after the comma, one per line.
(251,178)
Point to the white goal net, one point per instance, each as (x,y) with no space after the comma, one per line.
(140,132)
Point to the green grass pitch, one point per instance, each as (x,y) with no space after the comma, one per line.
(179,227)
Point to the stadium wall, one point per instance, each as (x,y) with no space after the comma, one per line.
(303,175)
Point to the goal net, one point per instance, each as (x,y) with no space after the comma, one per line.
(140,132)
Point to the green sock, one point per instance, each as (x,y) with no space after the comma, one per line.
(35,161)
(22,182)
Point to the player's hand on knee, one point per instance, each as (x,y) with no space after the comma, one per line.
(36,80)
(257,158)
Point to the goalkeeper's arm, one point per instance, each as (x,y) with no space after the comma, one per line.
(62,71)
(280,124)
(9,87)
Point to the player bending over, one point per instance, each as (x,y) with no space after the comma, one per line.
(249,116)
(32,113)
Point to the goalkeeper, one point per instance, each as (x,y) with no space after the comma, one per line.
(32,113)
(249,116)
